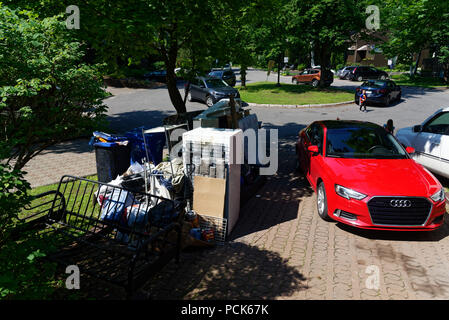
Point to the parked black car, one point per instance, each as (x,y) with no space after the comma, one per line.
(226,75)
(361,73)
(344,72)
(379,92)
(159,75)
(210,90)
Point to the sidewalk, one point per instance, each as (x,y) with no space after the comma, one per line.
(75,158)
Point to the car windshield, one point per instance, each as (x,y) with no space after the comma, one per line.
(362,142)
(374,84)
(216,83)
(215,74)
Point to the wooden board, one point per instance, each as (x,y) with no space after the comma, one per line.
(209,196)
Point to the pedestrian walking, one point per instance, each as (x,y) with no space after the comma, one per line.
(389,126)
(362,101)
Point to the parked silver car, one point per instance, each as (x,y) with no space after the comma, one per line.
(343,73)
(211,90)
(430,141)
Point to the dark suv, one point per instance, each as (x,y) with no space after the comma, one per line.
(226,75)
(211,90)
(361,73)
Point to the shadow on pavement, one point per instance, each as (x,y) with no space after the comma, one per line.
(286,131)
(278,200)
(72,146)
(122,122)
(233,271)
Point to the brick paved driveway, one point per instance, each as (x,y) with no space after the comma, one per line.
(281,249)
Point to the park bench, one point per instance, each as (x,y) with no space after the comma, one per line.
(107,231)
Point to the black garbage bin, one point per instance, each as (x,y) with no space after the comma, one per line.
(112,157)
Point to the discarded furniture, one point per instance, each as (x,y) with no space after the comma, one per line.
(110,233)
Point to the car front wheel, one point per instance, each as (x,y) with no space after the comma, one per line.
(209,101)
(359,78)
(321,202)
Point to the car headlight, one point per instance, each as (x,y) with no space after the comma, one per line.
(349,193)
(438,196)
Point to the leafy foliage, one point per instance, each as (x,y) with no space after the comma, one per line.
(23,274)
(325,26)
(13,196)
(46,92)
(414,25)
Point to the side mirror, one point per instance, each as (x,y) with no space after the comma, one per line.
(313,149)
(410,150)
(417,128)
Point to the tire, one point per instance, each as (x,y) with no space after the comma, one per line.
(189,97)
(321,202)
(359,78)
(387,102)
(295,81)
(315,83)
(398,99)
(382,77)
(209,101)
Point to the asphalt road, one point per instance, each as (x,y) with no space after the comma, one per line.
(130,108)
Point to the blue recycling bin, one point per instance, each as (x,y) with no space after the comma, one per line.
(112,154)
(155,141)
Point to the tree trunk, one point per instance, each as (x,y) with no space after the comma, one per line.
(243,75)
(278,84)
(173,91)
(323,64)
(415,69)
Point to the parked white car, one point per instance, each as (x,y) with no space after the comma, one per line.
(430,141)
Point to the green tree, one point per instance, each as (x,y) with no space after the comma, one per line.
(325,26)
(253,28)
(47,93)
(414,25)
(134,29)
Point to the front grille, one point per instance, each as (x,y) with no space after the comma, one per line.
(382,213)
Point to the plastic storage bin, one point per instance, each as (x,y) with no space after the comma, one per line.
(155,140)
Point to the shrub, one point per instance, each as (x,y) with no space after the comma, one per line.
(47,93)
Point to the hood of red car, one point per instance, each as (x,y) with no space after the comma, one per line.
(388,177)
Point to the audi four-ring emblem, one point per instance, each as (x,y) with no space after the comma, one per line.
(401,203)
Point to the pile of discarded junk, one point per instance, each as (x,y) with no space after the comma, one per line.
(158,190)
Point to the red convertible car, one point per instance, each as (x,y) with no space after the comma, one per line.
(364,177)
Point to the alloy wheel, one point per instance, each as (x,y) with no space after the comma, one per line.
(209,101)
(320,200)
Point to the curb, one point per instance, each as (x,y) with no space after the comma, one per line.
(302,106)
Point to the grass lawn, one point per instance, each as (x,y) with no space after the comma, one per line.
(47,199)
(427,82)
(292,94)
